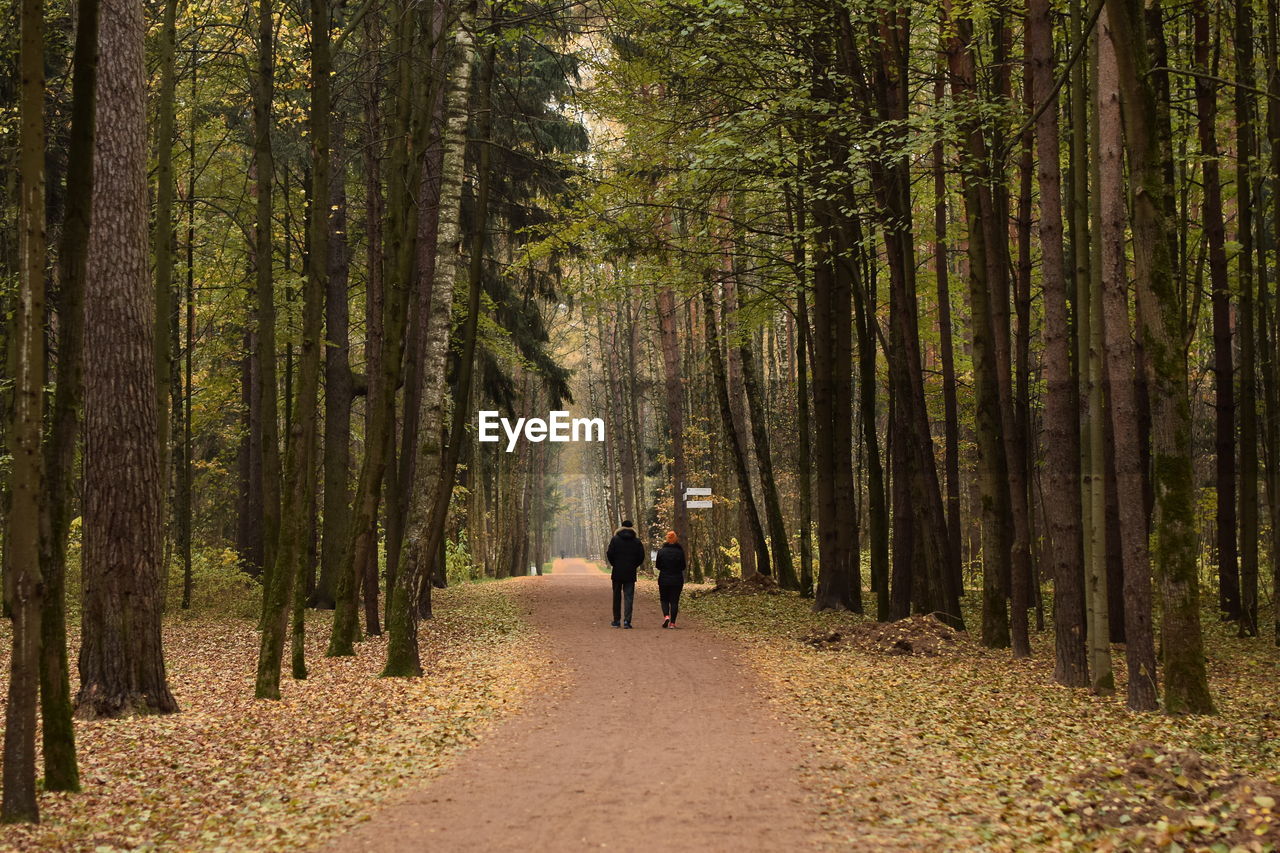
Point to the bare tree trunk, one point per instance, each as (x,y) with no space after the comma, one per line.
(784,569)
(804,447)
(422,322)
(287,590)
(23,588)
(1162,328)
(61,772)
(673,383)
(1140,646)
(265,335)
(183,405)
(1268,316)
(866,325)
(1223,367)
(338,394)
(1247,148)
(731,434)
(121,657)
(733,370)
(404,172)
(1104,570)
(1062,503)
(447,157)
(951,409)
(163,237)
(993,457)
(427,533)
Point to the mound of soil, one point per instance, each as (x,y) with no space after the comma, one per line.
(1156,796)
(921,636)
(753,585)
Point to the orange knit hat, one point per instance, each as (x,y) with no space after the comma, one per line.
(671,537)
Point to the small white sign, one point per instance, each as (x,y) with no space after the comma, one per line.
(653,556)
(698,504)
(699,491)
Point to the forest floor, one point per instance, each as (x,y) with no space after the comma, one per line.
(758,725)
(233,773)
(918,738)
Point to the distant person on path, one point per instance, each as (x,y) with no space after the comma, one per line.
(625,555)
(670,564)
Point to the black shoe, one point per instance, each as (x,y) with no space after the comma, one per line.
(626,624)
(615,624)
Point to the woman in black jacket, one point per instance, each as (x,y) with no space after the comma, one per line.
(670,565)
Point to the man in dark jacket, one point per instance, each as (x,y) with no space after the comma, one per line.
(625,554)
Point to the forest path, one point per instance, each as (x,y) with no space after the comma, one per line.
(656,740)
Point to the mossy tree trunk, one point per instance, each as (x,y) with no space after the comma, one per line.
(23,587)
(1162,329)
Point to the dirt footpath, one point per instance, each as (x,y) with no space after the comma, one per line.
(656,741)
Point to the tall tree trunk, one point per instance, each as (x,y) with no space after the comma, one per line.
(23,588)
(287,590)
(267,415)
(401,229)
(832,327)
(951,409)
(164,235)
(993,457)
(804,447)
(864,304)
(1223,368)
(184,508)
(1028,594)
(337,444)
(1162,330)
(427,531)
(1104,570)
(731,434)
(338,394)
(61,772)
(673,383)
(417,383)
(728,302)
(1120,361)
(784,569)
(1247,148)
(1062,503)
(1268,316)
(920,533)
(620,435)
(121,657)
(440,259)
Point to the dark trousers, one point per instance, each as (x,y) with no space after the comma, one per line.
(670,595)
(622,590)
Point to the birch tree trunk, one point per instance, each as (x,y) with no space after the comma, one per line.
(403,602)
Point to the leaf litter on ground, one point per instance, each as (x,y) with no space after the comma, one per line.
(969,749)
(233,773)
